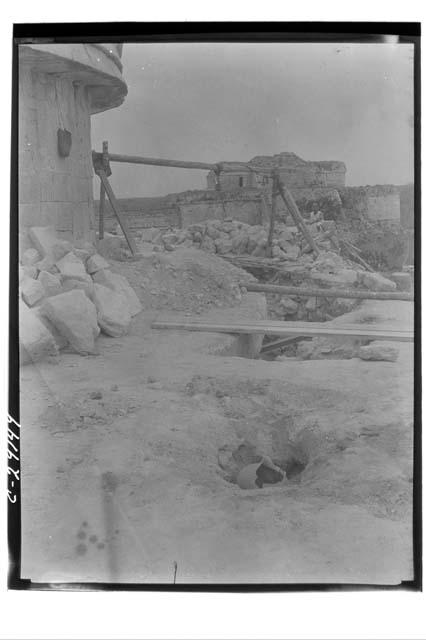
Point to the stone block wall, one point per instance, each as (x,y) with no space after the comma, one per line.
(406,196)
(383,207)
(54,190)
(247,211)
(141,213)
(379,203)
(230,180)
(60,86)
(186,208)
(294,173)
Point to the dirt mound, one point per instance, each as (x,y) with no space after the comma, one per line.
(185,280)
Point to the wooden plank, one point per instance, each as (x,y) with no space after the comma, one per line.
(114,205)
(295,214)
(328,293)
(290,328)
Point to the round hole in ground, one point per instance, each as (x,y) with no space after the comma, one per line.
(250,468)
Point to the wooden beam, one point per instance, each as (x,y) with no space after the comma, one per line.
(317,292)
(115,208)
(161,162)
(295,214)
(290,328)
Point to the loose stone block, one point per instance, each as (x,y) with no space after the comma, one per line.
(59,339)
(111,247)
(30,272)
(95,263)
(82,254)
(120,285)
(402,280)
(46,264)
(84,285)
(113,311)
(87,247)
(223,245)
(311,304)
(32,291)
(288,305)
(47,244)
(208,245)
(30,257)
(35,341)
(50,283)
(342,277)
(377,282)
(75,317)
(379,351)
(72,267)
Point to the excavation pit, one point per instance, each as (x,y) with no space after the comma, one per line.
(249,468)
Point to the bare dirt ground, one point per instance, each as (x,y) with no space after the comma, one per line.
(120,452)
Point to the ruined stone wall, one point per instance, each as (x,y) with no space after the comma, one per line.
(334,178)
(383,207)
(294,173)
(406,196)
(377,203)
(188,207)
(243,211)
(54,190)
(232,180)
(326,199)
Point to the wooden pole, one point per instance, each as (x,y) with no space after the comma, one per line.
(295,214)
(115,208)
(102,191)
(353,253)
(219,190)
(161,162)
(328,293)
(273,211)
(101,211)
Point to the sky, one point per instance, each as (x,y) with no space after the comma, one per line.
(214,102)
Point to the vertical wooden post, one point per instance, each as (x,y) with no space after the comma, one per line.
(116,209)
(105,164)
(105,160)
(273,211)
(101,211)
(295,214)
(219,189)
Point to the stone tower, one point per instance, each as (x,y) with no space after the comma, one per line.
(60,87)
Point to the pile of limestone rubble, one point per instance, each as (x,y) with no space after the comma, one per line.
(234,237)
(67,296)
(292,254)
(328,271)
(289,248)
